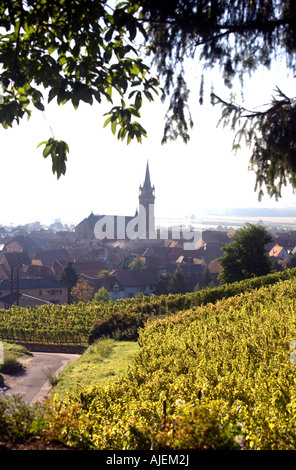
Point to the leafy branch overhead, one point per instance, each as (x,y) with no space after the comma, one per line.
(271,134)
(76,51)
(90,50)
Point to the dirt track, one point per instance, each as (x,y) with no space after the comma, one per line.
(32,383)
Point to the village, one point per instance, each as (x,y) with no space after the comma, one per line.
(126,264)
(32,260)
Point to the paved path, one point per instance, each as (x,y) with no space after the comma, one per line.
(33,383)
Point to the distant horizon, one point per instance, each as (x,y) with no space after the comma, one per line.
(285,212)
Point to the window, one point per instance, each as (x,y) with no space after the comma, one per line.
(40,292)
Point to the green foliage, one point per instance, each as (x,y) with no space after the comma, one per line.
(292,262)
(235,39)
(246,256)
(58,151)
(75,324)
(271,135)
(178,283)
(18,421)
(94,49)
(213,377)
(82,291)
(69,275)
(102,295)
(205,281)
(10,360)
(73,52)
(101,362)
(137,264)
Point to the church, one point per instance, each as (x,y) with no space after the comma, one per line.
(141,226)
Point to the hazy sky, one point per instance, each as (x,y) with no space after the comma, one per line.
(103,175)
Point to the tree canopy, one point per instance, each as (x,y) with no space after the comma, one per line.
(93,49)
(246,256)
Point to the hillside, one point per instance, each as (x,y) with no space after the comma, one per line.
(83,323)
(213,377)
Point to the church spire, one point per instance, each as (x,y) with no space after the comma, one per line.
(147,189)
(146,204)
(147,182)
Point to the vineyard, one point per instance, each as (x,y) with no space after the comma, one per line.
(83,323)
(218,376)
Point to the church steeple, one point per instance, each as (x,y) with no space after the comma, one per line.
(147,182)
(147,189)
(146,203)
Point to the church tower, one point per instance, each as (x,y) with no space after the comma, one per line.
(146,205)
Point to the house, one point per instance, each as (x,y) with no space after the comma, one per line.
(34,271)
(4,273)
(214,268)
(21,300)
(89,268)
(128,283)
(48,257)
(22,243)
(15,259)
(279,253)
(12,262)
(286,239)
(45,289)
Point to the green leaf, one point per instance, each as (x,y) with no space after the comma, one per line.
(107,121)
(138,100)
(39,105)
(113,126)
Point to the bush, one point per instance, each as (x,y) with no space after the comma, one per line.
(19,421)
(10,362)
(121,326)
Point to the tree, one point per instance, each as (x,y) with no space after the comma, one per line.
(246,256)
(103,273)
(82,291)
(162,286)
(93,49)
(292,261)
(69,275)
(205,281)
(70,50)
(178,283)
(137,264)
(102,295)
(235,38)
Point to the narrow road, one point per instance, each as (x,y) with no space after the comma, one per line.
(32,383)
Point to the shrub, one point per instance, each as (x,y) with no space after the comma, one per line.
(10,361)
(19,421)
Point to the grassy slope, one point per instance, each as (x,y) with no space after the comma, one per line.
(101,362)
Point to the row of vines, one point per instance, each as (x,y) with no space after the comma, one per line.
(85,322)
(218,376)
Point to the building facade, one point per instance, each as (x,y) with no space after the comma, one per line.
(114,227)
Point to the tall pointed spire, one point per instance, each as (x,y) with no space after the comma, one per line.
(146,204)
(147,182)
